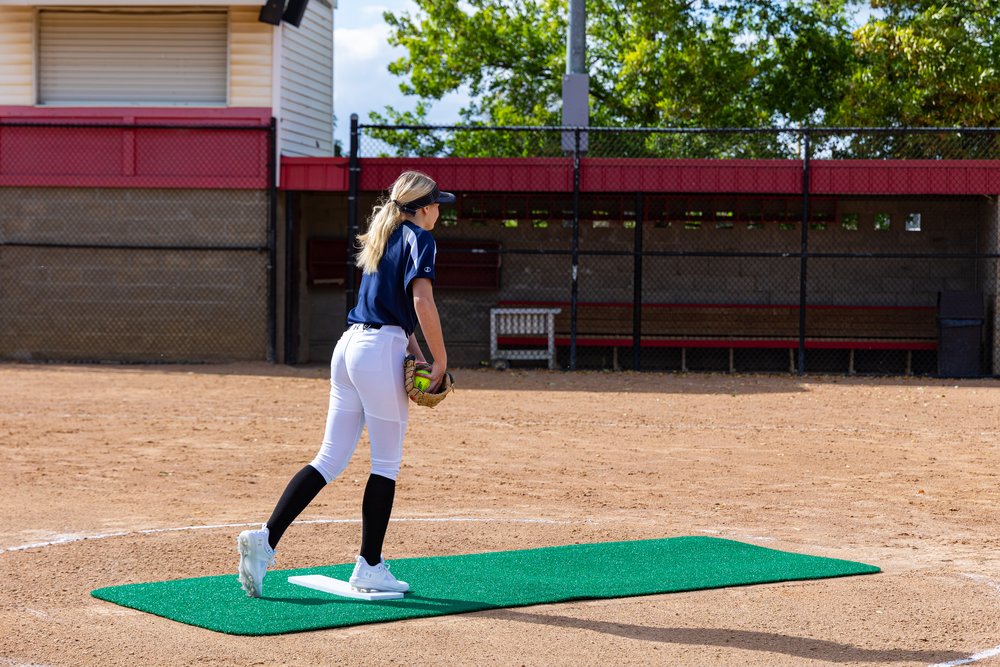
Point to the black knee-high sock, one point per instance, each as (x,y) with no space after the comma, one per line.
(375,510)
(298,494)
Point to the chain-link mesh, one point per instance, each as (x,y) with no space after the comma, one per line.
(905,144)
(536,142)
(134,243)
(724,250)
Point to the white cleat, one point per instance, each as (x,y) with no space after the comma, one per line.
(375,578)
(255,555)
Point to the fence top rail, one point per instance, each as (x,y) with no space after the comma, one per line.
(687,130)
(119,125)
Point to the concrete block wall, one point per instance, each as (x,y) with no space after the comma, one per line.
(71,288)
(105,216)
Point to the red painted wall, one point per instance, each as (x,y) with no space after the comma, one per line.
(905,177)
(314,174)
(827,177)
(109,152)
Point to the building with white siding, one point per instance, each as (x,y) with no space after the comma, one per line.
(195,56)
(305,118)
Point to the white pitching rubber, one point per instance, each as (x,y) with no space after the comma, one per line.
(326,584)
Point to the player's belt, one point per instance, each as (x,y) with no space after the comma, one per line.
(371,326)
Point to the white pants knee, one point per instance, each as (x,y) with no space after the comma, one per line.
(366,388)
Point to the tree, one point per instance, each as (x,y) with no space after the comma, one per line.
(508,55)
(925,64)
(673,61)
(700,63)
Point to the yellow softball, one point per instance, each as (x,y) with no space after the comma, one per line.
(422,380)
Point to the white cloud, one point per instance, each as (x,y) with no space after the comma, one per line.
(362,44)
(361,80)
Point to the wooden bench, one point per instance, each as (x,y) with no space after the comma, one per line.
(736,326)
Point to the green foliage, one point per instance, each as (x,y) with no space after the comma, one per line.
(508,55)
(415,142)
(925,64)
(696,63)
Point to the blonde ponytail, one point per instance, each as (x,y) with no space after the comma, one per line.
(387,216)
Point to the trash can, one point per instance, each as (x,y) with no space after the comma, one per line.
(960,317)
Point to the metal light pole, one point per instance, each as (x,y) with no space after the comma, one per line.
(576,39)
(576,81)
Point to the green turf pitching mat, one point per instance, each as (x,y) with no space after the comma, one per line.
(474,582)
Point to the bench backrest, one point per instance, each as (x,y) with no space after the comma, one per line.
(682,320)
(522,321)
(614,320)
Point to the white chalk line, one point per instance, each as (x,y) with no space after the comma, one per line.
(982,655)
(978,578)
(69,539)
(737,536)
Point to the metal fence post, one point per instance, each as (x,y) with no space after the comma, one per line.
(291,282)
(804,254)
(353,171)
(272,231)
(637,285)
(575,249)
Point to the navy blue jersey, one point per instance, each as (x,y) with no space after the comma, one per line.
(386,296)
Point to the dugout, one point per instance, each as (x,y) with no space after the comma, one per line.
(678,266)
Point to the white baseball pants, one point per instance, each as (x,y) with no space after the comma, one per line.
(366,388)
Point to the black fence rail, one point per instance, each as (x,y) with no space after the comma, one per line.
(852,143)
(783,250)
(136,242)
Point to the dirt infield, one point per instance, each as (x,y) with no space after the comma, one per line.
(157,467)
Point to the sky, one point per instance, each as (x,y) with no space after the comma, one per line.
(361,56)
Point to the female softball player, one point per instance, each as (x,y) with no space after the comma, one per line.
(366,380)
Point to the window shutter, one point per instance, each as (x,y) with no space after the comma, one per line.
(132,57)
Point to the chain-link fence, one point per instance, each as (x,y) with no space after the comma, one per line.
(136,243)
(792,250)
